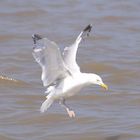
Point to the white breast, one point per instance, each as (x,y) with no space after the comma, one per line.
(70,86)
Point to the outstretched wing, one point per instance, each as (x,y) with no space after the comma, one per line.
(48,55)
(70,52)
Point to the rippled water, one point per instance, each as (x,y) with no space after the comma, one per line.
(112,50)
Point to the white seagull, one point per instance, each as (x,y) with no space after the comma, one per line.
(61,74)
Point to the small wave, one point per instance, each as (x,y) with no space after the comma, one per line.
(5,80)
(99,67)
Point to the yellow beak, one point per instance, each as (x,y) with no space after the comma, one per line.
(104,86)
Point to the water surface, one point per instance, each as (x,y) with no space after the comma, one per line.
(112,51)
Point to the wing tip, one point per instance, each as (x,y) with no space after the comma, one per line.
(36,37)
(88,28)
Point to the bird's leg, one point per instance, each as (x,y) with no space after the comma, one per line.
(69,111)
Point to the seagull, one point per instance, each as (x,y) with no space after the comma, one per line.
(61,74)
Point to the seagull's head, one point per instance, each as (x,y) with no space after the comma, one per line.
(97,80)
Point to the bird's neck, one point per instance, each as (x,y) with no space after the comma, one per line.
(88,78)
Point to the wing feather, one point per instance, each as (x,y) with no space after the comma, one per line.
(48,55)
(70,52)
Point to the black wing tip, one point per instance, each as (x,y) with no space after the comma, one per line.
(88,28)
(36,37)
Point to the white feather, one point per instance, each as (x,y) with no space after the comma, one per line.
(46,104)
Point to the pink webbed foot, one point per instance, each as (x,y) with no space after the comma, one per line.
(71,113)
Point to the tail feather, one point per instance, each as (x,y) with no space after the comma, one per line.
(46,104)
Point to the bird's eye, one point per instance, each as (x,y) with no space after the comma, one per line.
(98,80)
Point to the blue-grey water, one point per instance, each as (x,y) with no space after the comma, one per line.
(112,50)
